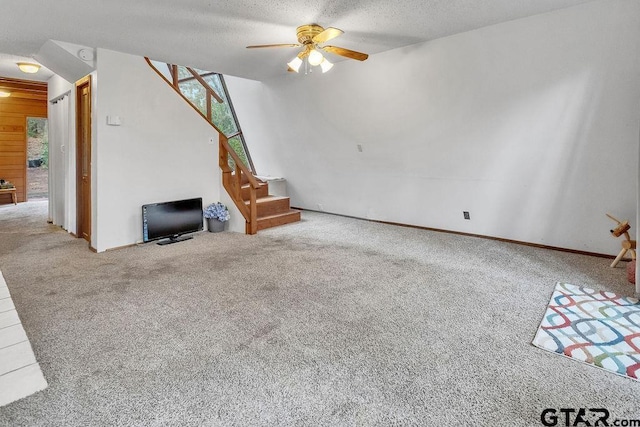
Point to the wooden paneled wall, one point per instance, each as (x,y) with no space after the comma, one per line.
(28,99)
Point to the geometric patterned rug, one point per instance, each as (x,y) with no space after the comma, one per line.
(598,328)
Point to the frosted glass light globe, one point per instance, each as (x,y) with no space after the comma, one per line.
(315,57)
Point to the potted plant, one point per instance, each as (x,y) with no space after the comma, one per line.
(216,214)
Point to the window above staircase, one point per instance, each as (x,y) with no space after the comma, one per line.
(207,91)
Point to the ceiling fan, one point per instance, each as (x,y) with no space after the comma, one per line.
(310,38)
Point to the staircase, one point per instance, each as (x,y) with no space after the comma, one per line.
(250,195)
(271,211)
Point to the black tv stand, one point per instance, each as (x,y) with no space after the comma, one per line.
(174,239)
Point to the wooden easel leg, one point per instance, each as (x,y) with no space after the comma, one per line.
(619,257)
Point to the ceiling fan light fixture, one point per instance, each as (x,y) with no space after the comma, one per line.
(295,64)
(4,94)
(311,40)
(28,68)
(326,65)
(315,57)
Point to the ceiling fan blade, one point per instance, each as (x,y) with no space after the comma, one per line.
(352,54)
(273,45)
(327,34)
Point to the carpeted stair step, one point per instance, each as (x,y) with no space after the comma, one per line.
(278,219)
(271,205)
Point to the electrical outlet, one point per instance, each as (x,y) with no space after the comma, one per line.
(466,215)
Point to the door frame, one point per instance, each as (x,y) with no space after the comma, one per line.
(84,82)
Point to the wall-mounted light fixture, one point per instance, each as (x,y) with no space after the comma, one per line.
(29,68)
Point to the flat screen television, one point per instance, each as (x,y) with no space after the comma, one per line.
(171,220)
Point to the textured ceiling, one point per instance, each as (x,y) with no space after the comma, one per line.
(210,34)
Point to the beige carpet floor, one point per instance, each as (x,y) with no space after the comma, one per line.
(332,321)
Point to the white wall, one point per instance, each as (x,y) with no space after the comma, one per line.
(160,153)
(531,125)
(248,100)
(57,86)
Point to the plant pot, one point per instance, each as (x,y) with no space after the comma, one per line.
(214,225)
